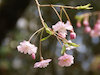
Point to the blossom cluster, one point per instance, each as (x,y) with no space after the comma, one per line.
(27,48)
(62,28)
(93,31)
(60,31)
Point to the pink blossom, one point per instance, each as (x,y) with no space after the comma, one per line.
(97,27)
(72,35)
(42,63)
(66,60)
(96,31)
(26,47)
(87,29)
(68,26)
(93,33)
(61,28)
(62,34)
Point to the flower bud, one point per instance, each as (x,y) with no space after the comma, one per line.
(33,56)
(72,35)
(78,24)
(85,21)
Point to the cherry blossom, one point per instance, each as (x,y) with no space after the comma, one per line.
(62,34)
(93,33)
(68,26)
(97,27)
(87,29)
(42,63)
(26,47)
(61,28)
(66,60)
(96,31)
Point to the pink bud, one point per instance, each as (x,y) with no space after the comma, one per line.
(85,22)
(87,29)
(72,35)
(78,24)
(33,56)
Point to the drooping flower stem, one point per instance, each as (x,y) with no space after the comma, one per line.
(62,39)
(59,16)
(36,33)
(36,37)
(61,12)
(56,13)
(41,58)
(66,15)
(59,40)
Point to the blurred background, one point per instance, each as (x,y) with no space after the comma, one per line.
(19,19)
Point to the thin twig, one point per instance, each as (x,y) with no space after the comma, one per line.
(66,15)
(70,7)
(36,37)
(40,46)
(61,12)
(56,13)
(36,33)
(64,39)
(41,18)
(58,40)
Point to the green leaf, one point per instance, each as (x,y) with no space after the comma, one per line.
(85,7)
(79,17)
(46,26)
(63,49)
(48,29)
(45,38)
(73,44)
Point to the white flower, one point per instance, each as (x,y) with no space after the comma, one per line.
(26,47)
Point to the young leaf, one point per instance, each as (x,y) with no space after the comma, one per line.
(45,38)
(84,7)
(48,29)
(79,17)
(63,49)
(46,26)
(73,44)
